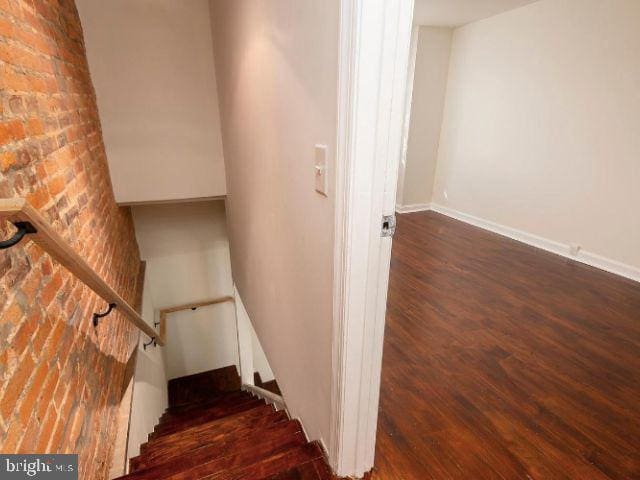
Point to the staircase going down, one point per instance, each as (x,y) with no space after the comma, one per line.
(212,430)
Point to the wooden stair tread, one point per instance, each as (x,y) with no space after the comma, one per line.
(214,431)
(221,441)
(215,460)
(241,420)
(206,416)
(269,466)
(275,464)
(210,432)
(313,470)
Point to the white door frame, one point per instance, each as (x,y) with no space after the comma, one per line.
(373,65)
(407,115)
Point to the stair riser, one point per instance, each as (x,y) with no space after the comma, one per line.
(198,387)
(227,399)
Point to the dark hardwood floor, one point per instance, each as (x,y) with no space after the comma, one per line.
(503,361)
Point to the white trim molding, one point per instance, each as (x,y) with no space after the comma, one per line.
(588,258)
(417,207)
(271,398)
(245,340)
(375,37)
(411,72)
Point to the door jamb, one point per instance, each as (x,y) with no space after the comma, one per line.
(407,115)
(373,65)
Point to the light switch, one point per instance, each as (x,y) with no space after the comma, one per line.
(321,169)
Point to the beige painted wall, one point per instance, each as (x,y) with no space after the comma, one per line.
(260,361)
(427,105)
(541,124)
(186,249)
(277,83)
(152,67)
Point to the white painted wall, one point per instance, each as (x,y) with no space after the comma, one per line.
(427,105)
(150,397)
(187,253)
(252,356)
(541,124)
(260,361)
(201,340)
(152,66)
(245,341)
(277,84)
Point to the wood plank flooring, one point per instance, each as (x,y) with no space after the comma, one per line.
(506,362)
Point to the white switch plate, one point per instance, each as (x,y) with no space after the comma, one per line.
(320,169)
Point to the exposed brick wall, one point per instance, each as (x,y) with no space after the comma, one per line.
(60,380)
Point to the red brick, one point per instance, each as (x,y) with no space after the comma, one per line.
(12,81)
(52,153)
(30,286)
(28,443)
(65,409)
(34,127)
(6,28)
(7,160)
(56,439)
(41,336)
(35,252)
(12,440)
(15,386)
(39,198)
(61,390)
(11,131)
(49,389)
(29,401)
(54,338)
(50,290)
(47,267)
(47,430)
(13,314)
(76,426)
(24,335)
(56,186)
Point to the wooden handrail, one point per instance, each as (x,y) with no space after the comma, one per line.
(187,306)
(16,210)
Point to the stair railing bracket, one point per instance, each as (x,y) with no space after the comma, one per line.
(151,342)
(98,316)
(24,228)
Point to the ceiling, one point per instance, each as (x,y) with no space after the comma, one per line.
(453,13)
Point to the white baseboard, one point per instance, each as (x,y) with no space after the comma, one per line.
(588,258)
(417,207)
